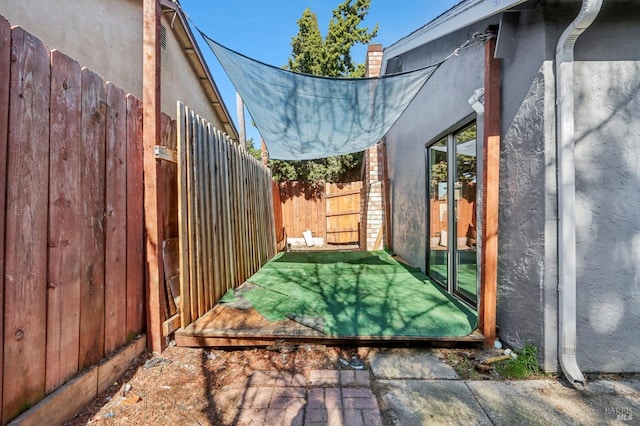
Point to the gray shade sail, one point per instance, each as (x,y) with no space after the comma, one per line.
(303,117)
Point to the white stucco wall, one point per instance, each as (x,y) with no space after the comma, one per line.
(179,81)
(106,36)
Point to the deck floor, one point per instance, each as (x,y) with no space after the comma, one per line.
(227,325)
(223,326)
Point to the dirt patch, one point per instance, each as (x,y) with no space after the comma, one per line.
(196,386)
(203,386)
(486,364)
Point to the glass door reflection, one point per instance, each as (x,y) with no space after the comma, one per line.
(452,235)
(438,213)
(465,284)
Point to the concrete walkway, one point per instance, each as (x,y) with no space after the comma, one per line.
(416,387)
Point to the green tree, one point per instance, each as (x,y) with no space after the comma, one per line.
(252,150)
(329,57)
(306,56)
(344,33)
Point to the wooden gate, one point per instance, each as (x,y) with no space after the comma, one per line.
(331,211)
(343,212)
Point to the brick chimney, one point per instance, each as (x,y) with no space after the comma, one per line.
(374,60)
(372,200)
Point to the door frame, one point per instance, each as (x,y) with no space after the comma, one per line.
(452,229)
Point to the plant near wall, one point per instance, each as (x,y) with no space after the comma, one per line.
(523,366)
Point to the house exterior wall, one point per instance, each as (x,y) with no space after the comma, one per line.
(607,99)
(440,106)
(607,120)
(527,247)
(180,82)
(106,36)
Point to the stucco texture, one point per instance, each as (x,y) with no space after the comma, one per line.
(607,122)
(440,106)
(527,282)
(106,36)
(607,219)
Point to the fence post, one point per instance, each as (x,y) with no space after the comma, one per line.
(152,186)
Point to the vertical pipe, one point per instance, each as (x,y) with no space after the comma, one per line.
(567,190)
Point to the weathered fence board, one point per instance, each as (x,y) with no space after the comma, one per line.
(26,225)
(278,217)
(5,65)
(331,211)
(92,195)
(65,210)
(225,215)
(135,204)
(182,130)
(343,212)
(71,224)
(116,220)
(169,175)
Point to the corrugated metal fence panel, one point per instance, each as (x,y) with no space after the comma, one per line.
(225,214)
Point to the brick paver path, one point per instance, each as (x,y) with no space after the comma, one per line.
(330,397)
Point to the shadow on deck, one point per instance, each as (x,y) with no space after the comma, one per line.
(329,297)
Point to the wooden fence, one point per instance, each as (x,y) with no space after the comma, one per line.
(331,211)
(277,216)
(303,208)
(343,212)
(71,219)
(225,212)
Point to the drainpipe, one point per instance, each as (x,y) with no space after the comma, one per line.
(567,190)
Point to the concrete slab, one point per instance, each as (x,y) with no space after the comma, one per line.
(541,402)
(410,364)
(433,402)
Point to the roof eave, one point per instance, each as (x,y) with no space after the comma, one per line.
(188,43)
(459,16)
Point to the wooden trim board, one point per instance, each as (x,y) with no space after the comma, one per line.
(74,395)
(490,193)
(251,341)
(171,325)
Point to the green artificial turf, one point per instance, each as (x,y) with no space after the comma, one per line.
(357,294)
(466,278)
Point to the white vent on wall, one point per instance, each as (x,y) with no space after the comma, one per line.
(163,37)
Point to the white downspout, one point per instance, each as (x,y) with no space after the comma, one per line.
(567,190)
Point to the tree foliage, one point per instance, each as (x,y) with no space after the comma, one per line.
(330,57)
(306,55)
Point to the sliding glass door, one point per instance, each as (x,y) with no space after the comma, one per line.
(452,255)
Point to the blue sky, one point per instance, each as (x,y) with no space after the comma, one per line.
(263,30)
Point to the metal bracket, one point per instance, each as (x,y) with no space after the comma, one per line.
(164,153)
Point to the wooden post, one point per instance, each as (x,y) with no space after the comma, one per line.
(265,153)
(241,125)
(491,185)
(5,68)
(152,185)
